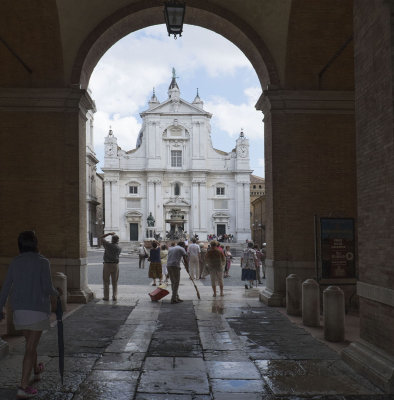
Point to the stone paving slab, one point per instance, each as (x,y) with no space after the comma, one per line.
(305,386)
(237,386)
(120,361)
(117,390)
(151,396)
(174,381)
(231,355)
(232,370)
(239,396)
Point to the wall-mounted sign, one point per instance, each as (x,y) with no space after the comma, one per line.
(337,249)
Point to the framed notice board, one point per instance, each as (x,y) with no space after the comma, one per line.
(335,251)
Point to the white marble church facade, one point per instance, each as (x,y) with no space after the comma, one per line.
(175,167)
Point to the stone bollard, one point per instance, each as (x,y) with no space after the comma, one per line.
(59,280)
(293,295)
(310,303)
(334,314)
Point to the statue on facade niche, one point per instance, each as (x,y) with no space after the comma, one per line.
(150,220)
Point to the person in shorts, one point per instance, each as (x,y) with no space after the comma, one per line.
(29,281)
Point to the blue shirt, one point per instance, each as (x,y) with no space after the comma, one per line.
(155,255)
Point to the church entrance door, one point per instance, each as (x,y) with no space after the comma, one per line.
(221,229)
(133,232)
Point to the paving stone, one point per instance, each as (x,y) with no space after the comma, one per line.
(151,396)
(239,396)
(52,382)
(231,355)
(319,385)
(8,394)
(280,368)
(237,386)
(113,376)
(94,390)
(190,364)
(50,395)
(173,381)
(120,361)
(11,370)
(232,370)
(75,364)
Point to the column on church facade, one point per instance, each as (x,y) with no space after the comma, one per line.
(240,212)
(150,198)
(112,199)
(195,207)
(203,213)
(160,228)
(310,164)
(150,141)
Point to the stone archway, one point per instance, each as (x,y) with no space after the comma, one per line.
(199,12)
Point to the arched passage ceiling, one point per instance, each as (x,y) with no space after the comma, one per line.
(257,27)
(288,42)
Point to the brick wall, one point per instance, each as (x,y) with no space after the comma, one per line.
(313,173)
(42,186)
(375,162)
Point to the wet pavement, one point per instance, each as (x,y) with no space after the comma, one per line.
(230,348)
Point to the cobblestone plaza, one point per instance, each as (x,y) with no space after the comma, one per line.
(233,347)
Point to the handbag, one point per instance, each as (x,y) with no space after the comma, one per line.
(146,255)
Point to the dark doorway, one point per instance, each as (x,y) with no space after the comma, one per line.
(221,229)
(133,232)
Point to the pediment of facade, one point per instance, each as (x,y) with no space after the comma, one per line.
(180,106)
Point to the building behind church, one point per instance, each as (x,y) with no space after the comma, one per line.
(175,171)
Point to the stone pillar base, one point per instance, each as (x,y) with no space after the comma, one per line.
(3,348)
(81,296)
(272,299)
(371,362)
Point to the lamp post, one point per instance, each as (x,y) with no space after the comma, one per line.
(174,14)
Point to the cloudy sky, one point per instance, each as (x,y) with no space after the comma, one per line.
(123,80)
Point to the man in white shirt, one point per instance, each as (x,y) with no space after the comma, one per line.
(194,252)
(175,255)
(142,254)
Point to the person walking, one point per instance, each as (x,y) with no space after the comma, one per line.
(202,262)
(29,280)
(259,256)
(193,252)
(248,265)
(142,254)
(215,262)
(163,259)
(111,265)
(175,255)
(228,255)
(155,263)
(263,253)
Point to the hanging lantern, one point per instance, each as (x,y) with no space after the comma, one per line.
(174,14)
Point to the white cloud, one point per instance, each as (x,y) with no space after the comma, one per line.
(125,129)
(232,117)
(124,77)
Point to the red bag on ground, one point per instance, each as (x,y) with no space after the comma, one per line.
(158,294)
